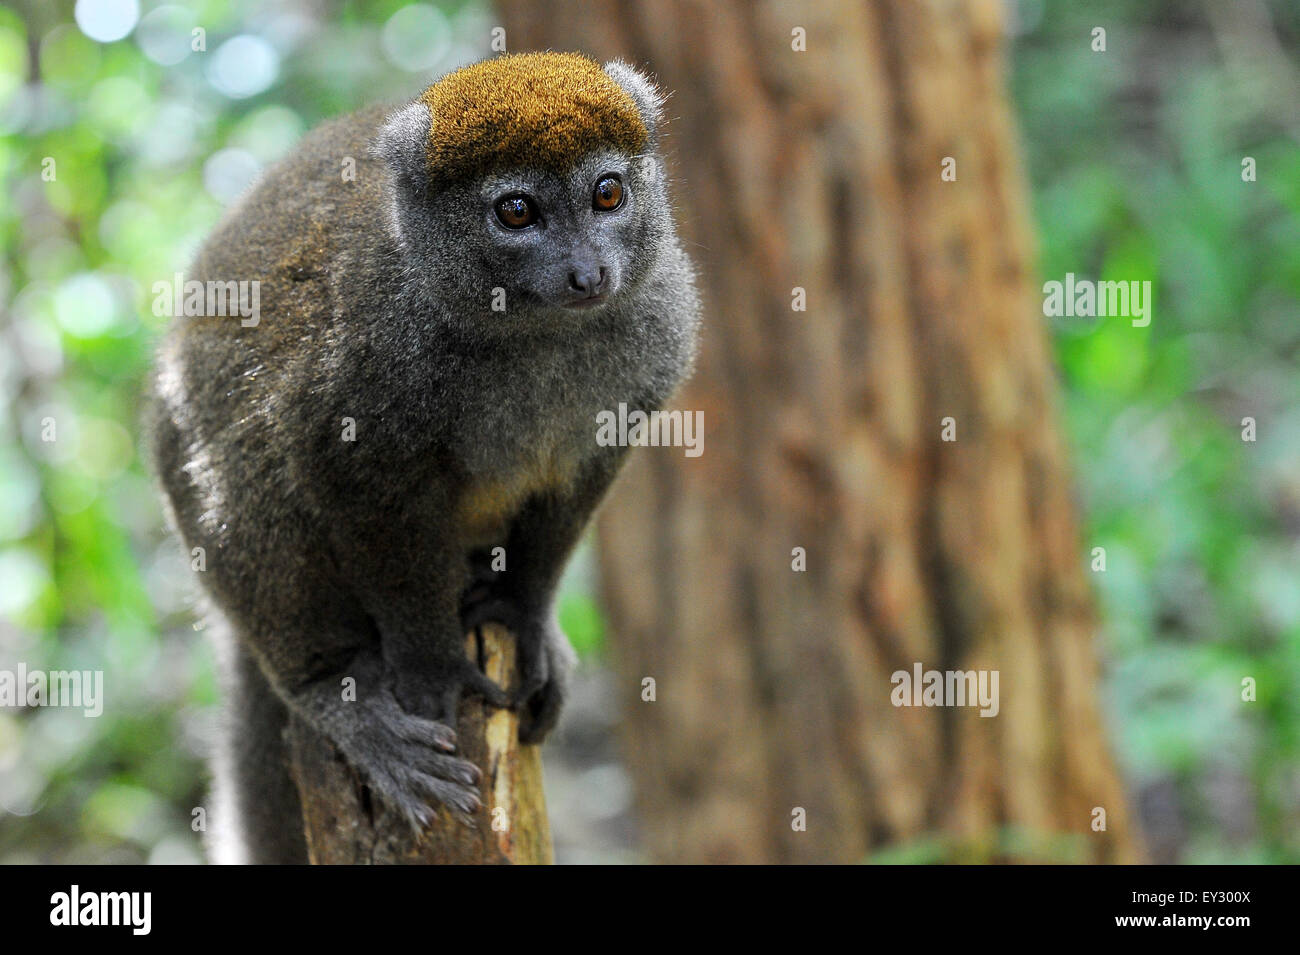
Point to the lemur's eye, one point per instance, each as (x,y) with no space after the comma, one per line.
(516,212)
(608,194)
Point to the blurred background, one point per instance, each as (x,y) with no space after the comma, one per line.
(1126,169)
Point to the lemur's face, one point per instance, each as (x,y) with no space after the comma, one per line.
(527,185)
(567,241)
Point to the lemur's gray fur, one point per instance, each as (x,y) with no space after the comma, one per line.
(328,558)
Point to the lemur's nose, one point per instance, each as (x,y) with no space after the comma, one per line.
(589,281)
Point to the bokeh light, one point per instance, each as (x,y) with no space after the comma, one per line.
(416,37)
(107,20)
(244,66)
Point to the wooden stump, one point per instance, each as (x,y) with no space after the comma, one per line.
(347,824)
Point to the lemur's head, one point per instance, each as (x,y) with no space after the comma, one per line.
(535,174)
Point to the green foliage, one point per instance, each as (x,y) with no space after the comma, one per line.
(1135,156)
(1005,843)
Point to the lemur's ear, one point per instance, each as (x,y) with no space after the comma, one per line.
(649,100)
(403,143)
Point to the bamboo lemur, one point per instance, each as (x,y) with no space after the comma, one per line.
(436,336)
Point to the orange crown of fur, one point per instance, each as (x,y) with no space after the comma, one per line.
(527,109)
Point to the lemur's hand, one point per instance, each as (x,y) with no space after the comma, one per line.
(545,659)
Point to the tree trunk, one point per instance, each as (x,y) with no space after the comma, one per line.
(345,824)
(821,171)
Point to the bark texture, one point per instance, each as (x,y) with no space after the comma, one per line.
(345,824)
(820,170)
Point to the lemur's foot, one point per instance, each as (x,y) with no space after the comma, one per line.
(405,757)
(435,689)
